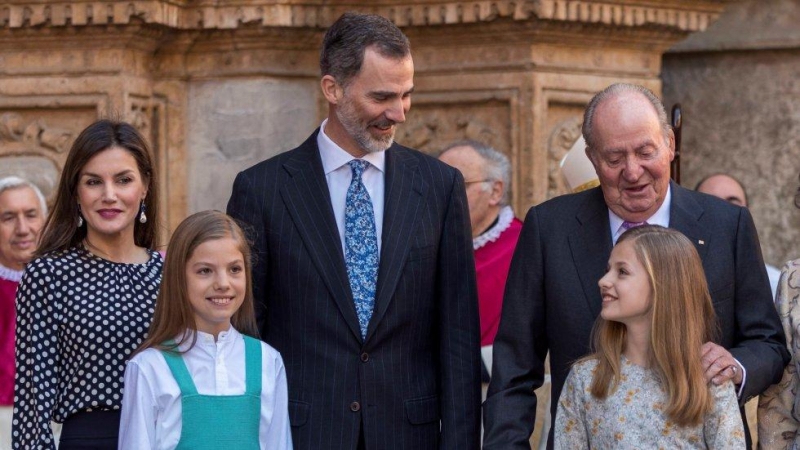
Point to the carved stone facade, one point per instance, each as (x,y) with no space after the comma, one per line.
(218,86)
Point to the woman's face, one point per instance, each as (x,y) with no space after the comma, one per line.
(110,192)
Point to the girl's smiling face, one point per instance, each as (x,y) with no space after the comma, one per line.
(216,283)
(625,288)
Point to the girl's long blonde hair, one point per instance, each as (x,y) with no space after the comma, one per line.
(174,314)
(683,320)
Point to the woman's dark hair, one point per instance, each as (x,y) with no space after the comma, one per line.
(61,231)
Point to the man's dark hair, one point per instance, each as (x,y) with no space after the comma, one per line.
(348,38)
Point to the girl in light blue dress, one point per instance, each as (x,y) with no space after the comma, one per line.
(644,386)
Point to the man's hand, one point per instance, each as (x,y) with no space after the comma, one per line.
(719,365)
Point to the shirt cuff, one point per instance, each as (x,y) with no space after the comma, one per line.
(744,379)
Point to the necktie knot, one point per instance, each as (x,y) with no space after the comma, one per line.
(628,225)
(358,166)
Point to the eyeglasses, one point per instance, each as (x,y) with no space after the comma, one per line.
(467,183)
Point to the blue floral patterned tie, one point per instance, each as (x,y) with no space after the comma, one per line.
(360,245)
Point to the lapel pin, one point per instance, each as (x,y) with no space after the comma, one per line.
(701,242)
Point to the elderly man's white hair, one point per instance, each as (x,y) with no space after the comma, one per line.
(616,90)
(9,183)
(497,165)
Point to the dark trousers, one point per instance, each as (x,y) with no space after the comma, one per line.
(95,430)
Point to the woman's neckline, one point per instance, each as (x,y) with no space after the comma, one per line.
(99,254)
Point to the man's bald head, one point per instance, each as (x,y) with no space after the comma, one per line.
(725,187)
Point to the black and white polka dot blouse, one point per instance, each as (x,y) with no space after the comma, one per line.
(79,317)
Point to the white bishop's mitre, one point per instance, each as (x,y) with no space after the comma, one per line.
(577,169)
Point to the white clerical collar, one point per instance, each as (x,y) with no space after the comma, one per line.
(661,217)
(334,157)
(504,220)
(10,274)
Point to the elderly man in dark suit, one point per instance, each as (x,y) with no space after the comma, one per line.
(363,271)
(552,298)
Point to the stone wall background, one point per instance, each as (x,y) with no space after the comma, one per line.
(739,86)
(234,124)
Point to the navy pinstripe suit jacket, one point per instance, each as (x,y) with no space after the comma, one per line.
(414,382)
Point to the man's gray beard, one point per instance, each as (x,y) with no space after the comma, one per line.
(370,144)
(361,135)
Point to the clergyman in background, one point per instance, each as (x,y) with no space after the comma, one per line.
(495,230)
(22,214)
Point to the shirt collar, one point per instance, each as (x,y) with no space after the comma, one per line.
(207,340)
(660,217)
(10,274)
(334,157)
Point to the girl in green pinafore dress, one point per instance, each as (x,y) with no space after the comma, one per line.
(202,380)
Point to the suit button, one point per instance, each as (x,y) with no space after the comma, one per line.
(355,407)
(364,357)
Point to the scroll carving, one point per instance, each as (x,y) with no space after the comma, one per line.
(431,128)
(561,140)
(35,137)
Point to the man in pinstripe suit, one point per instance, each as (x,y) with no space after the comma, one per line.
(398,367)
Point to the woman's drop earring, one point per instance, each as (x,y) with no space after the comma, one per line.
(142,216)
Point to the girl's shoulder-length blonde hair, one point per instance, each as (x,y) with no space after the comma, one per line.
(683,320)
(174,314)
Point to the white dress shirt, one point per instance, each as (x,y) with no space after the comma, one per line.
(151,405)
(338,175)
(660,217)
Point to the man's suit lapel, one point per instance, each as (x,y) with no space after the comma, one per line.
(307,198)
(404,191)
(684,216)
(591,246)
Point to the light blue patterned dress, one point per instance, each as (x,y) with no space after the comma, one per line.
(632,416)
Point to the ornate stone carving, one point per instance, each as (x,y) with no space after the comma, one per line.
(139,115)
(32,149)
(561,139)
(614,13)
(431,127)
(219,15)
(35,137)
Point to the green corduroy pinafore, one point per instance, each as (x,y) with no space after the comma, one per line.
(213,422)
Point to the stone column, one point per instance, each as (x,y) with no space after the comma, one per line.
(739,87)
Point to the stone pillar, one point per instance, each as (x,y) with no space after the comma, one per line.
(739,88)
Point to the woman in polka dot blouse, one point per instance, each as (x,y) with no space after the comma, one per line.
(85,303)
